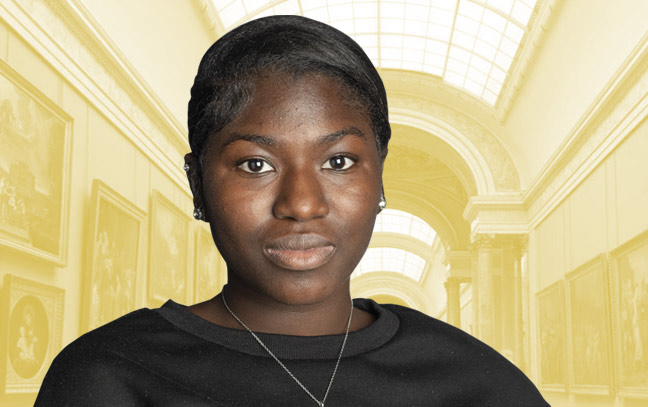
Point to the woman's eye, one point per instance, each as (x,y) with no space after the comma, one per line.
(255,166)
(339,163)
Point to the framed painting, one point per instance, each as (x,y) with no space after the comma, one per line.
(168,252)
(33,315)
(629,278)
(589,328)
(210,268)
(35,136)
(114,256)
(552,348)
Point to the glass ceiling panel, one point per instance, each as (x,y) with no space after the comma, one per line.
(395,221)
(471,44)
(392,260)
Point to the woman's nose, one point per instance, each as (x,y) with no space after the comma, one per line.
(300,197)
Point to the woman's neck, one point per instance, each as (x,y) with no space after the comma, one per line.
(261,314)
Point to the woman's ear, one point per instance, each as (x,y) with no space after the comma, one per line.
(194,175)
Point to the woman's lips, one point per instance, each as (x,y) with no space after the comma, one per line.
(300,259)
(300,252)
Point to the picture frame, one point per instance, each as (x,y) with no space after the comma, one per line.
(552,343)
(590,361)
(36,136)
(31,338)
(629,298)
(168,263)
(114,257)
(210,267)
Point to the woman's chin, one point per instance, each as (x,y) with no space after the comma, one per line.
(306,292)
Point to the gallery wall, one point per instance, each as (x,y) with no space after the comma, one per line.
(80,197)
(589,262)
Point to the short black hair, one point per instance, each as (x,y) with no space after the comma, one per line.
(289,44)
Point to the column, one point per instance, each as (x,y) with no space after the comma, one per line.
(520,354)
(459,271)
(497,290)
(453,308)
(486,259)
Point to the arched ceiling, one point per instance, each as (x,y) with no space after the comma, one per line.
(441,195)
(432,158)
(470,44)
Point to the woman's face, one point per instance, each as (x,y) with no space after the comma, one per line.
(291,190)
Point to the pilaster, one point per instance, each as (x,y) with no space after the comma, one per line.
(497,292)
(459,271)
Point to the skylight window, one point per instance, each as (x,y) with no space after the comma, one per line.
(471,44)
(395,221)
(392,260)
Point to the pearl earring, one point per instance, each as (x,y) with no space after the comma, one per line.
(382,203)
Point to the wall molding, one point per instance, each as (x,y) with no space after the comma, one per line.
(68,38)
(496,215)
(616,111)
(620,106)
(541,20)
(211,17)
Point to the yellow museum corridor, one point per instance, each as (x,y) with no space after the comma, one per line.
(516,179)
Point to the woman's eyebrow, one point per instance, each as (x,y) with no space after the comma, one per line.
(253,138)
(332,137)
(271,142)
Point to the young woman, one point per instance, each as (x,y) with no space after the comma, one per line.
(288,129)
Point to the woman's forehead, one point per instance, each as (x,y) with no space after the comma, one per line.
(306,103)
(282,91)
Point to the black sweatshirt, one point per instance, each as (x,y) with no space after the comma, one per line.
(171,357)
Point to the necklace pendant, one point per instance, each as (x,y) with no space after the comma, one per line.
(320,403)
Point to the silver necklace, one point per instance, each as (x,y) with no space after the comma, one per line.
(346,335)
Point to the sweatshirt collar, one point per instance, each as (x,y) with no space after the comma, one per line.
(364,340)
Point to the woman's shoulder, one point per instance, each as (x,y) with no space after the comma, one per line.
(432,336)
(118,335)
(424,337)
(126,329)
(99,361)
(415,325)
(465,365)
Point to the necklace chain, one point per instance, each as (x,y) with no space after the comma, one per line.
(346,335)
